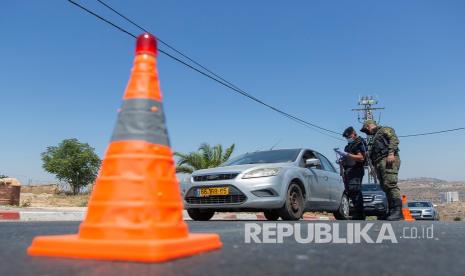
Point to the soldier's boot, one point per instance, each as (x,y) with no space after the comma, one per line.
(359,216)
(395,210)
(359,213)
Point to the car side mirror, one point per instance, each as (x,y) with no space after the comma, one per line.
(435,205)
(312,162)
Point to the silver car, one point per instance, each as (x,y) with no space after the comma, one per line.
(423,210)
(281,183)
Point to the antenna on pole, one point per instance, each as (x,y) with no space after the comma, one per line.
(366,110)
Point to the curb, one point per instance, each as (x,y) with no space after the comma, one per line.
(42,215)
(52,215)
(9,215)
(79,215)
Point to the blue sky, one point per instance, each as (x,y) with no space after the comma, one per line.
(63,74)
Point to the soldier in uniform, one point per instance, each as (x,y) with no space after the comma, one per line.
(384,155)
(353,159)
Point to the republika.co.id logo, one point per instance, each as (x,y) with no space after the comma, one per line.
(352,233)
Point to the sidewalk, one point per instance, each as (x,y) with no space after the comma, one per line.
(78,214)
(43,214)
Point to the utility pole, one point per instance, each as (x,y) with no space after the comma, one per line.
(366,112)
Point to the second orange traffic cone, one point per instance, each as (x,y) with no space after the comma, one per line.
(135,210)
(405,210)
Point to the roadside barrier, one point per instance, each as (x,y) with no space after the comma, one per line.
(135,210)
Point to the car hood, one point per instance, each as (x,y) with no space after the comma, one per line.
(240,168)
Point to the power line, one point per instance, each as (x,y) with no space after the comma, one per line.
(211,74)
(209,71)
(101,18)
(287,115)
(166,44)
(433,132)
(219,79)
(368,103)
(232,86)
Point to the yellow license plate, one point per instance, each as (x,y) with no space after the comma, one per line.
(214,191)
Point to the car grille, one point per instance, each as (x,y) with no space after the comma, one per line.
(367,198)
(415,212)
(214,177)
(216,199)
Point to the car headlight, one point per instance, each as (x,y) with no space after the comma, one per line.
(262,173)
(379,197)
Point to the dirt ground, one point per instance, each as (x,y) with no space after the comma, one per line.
(452,211)
(53,200)
(50,195)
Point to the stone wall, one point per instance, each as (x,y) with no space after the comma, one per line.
(9,191)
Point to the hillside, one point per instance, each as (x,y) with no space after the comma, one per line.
(430,188)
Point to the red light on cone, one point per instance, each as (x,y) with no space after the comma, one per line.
(146,44)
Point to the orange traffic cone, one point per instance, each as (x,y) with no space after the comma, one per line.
(135,210)
(406,210)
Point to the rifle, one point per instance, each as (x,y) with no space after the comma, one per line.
(340,162)
(369,164)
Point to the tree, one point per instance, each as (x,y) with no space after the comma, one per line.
(72,162)
(206,157)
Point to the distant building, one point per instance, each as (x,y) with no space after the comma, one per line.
(448,197)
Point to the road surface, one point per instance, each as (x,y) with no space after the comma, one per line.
(442,255)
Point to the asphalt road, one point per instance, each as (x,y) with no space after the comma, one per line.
(442,255)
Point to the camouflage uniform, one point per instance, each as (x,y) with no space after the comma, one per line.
(385,142)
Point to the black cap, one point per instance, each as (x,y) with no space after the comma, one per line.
(348,132)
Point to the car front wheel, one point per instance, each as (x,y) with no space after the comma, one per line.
(202,215)
(294,206)
(343,212)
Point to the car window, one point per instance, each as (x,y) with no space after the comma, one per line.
(421,204)
(327,166)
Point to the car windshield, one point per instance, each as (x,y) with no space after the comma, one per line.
(370,187)
(419,204)
(260,157)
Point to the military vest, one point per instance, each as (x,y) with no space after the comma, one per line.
(379,146)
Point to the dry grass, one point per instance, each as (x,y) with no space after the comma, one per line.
(52,195)
(53,200)
(452,211)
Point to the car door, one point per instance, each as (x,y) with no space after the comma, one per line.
(317,180)
(334,181)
